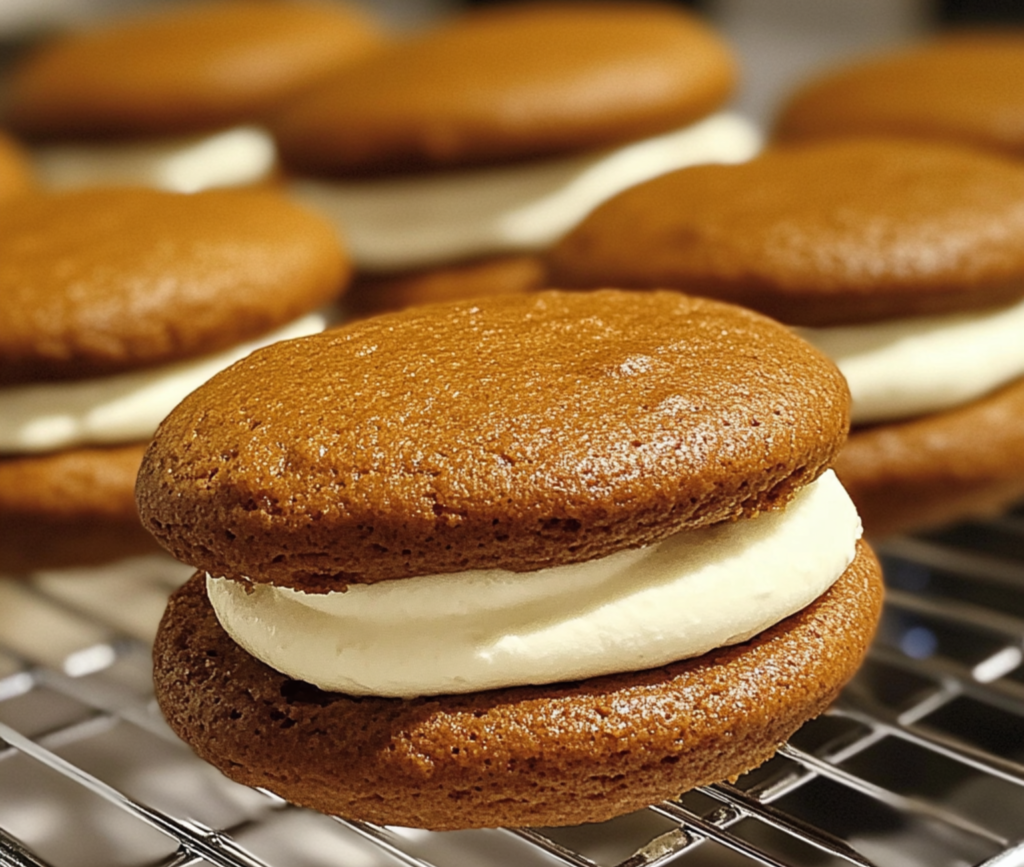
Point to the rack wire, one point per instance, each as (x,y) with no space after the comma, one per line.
(920,762)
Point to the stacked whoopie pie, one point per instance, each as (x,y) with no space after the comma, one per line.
(173,98)
(450,158)
(531,560)
(114,304)
(962,87)
(903,260)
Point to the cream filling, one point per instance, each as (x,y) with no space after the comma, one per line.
(404,223)
(123,408)
(230,158)
(486,629)
(911,367)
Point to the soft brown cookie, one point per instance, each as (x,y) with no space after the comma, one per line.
(107,280)
(72,508)
(522,432)
(550,755)
(964,87)
(482,278)
(966,462)
(180,70)
(512,82)
(15,173)
(822,234)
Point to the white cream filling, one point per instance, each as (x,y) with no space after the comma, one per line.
(404,223)
(910,367)
(232,157)
(486,629)
(123,408)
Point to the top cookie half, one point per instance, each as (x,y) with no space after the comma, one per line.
(508,83)
(965,87)
(824,233)
(520,433)
(181,70)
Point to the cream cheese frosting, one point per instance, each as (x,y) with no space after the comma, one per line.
(123,408)
(232,157)
(404,223)
(909,367)
(487,629)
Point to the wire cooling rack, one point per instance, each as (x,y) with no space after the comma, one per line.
(921,762)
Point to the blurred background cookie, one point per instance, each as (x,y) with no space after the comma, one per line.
(907,258)
(174,97)
(116,304)
(962,87)
(495,132)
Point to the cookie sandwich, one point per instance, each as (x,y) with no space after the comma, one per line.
(532,560)
(495,132)
(174,98)
(902,260)
(963,87)
(115,304)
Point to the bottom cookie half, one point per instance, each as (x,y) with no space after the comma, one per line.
(964,463)
(560,754)
(71,508)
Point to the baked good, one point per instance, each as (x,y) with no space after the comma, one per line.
(158,98)
(15,173)
(485,508)
(496,131)
(961,87)
(907,258)
(116,304)
(498,275)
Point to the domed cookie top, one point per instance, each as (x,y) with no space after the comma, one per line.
(518,432)
(102,281)
(15,173)
(510,83)
(966,87)
(821,234)
(199,67)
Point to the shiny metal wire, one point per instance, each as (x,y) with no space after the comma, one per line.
(948,662)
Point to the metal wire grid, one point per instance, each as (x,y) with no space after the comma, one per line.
(921,762)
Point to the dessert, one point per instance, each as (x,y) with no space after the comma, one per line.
(533,560)
(904,261)
(173,98)
(496,275)
(961,87)
(494,133)
(116,304)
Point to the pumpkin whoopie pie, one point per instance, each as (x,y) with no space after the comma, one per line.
(531,560)
(961,87)
(173,98)
(496,131)
(905,258)
(116,304)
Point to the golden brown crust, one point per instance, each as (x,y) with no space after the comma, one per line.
(512,82)
(194,68)
(963,463)
(822,234)
(16,177)
(101,281)
(73,508)
(481,278)
(520,432)
(964,87)
(549,755)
